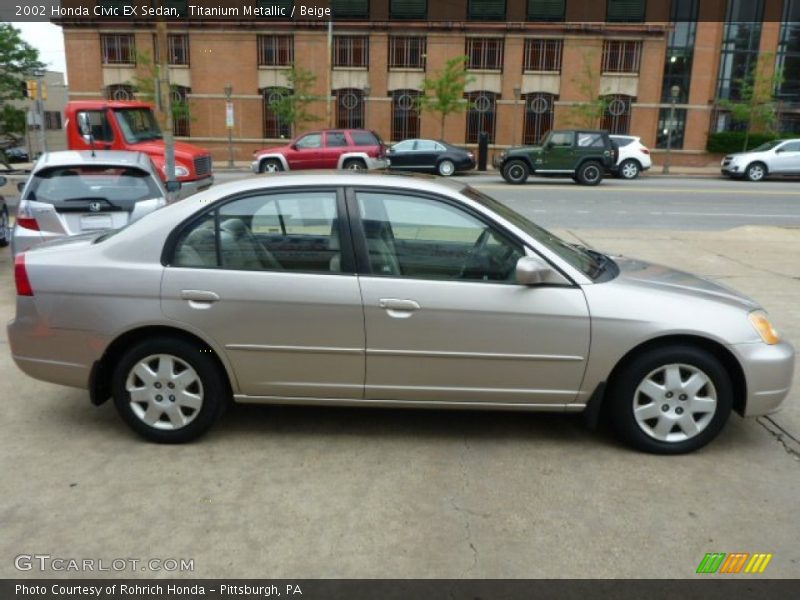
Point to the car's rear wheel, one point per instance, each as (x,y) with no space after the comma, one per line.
(629,169)
(515,171)
(354,164)
(446,167)
(5,232)
(271,165)
(169,390)
(589,173)
(670,400)
(756,171)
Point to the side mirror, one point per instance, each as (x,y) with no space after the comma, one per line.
(389,150)
(83,124)
(3,181)
(173,186)
(779,151)
(533,270)
(20,186)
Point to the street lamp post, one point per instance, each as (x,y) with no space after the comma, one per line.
(674,93)
(39,112)
(517,96)
(229,122)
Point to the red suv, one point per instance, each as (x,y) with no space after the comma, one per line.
(355,149)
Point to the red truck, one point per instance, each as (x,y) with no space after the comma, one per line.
(124,125)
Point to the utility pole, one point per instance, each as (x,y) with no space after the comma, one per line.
(229,122)
(165,96)
(328,113)
(39,111)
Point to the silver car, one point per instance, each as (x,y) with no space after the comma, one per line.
(778,157)
(378,290)
(70,192)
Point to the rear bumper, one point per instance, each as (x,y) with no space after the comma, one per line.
(378,163)
(768,371)
(198,185)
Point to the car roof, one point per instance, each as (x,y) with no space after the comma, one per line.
(423,183)
(72,158)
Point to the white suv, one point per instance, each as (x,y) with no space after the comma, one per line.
(778,157)
(634,157)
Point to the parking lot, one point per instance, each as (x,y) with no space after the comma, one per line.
(316,492)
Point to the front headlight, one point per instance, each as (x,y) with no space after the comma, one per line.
(179,171)
(760,322)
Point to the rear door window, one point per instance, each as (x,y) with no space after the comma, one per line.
(591,140)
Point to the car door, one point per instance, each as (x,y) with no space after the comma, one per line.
(559,152)
(306,152)
(445,320)
(269,277)
(335,146)
(401,154)
(787,158)
(425,153)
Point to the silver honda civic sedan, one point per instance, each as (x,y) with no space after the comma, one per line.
(378,290)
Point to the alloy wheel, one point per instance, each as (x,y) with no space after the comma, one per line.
(629,169)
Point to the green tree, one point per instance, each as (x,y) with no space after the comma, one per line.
(444,93)
(145,86)
(293,108)
(588,112)
(19,61)
(756,106)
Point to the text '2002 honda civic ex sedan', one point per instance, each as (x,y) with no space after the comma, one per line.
(377,290)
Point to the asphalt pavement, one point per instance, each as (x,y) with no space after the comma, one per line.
(322,492)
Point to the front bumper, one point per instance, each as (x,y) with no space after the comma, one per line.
(768,371)
(255,166)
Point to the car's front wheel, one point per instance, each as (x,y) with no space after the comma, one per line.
(446,168)
(5,231)
(670,400)
(271,165)
(589,173)
(629,169)
(515,171)
(756,171)
(169,390)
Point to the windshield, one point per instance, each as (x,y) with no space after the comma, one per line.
(119,186)
(766,146)
(588,262)
(138,124)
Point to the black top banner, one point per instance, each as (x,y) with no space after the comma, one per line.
(417,12)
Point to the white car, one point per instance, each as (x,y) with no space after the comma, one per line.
(634,157)
(778,157)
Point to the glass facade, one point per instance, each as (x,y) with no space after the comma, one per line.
(788,60)
(740,42)
(680,50)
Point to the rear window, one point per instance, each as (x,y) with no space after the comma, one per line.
(591,140)
(114,184)
(622,142)
(364,138)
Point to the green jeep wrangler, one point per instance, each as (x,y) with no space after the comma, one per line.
(582,154)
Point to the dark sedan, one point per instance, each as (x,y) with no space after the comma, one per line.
(430,155)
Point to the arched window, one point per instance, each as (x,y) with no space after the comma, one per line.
(120,91)
(481,111)
(180,110)
(349,108)
(538,116)
(274,126)
(405,114)
(617,114)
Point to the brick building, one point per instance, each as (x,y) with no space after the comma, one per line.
(531,63)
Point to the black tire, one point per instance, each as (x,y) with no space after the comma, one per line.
(589,173)
(213,389)
(629,169)
(271,165)
(354,164)
(756,171)
(446,167)
(516,171)
(622,399)
(5,230)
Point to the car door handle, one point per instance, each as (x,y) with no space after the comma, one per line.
(199,296)
(395,304)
